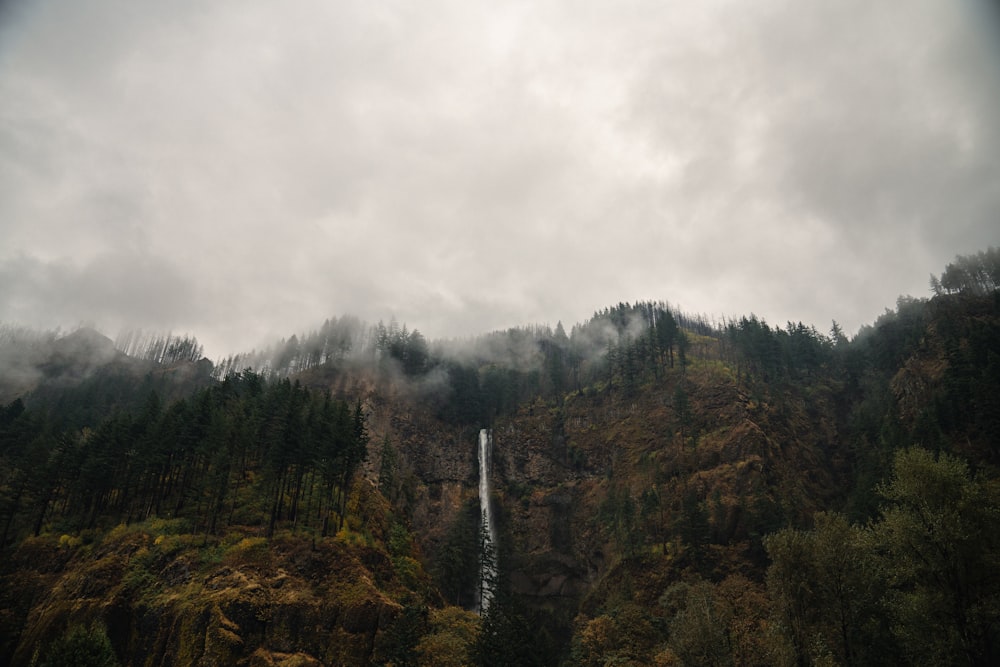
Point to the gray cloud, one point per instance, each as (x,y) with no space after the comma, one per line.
(114,289)
(244,170)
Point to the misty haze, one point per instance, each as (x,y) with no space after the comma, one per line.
(547,333)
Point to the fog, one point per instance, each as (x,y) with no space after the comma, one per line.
(244,170)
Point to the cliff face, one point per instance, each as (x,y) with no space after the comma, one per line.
(693,465)
(437,464)
(603,476)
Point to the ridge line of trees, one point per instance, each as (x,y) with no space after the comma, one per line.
(243,452)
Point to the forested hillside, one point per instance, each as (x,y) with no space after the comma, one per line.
(670,490)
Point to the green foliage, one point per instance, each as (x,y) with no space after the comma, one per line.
(692,522)
(450,640)
(388,470)
(828,593)
(239,448)
(778,356)
(716,625)
(139,580)
(940,547)
(619,515)
(457,563)
(397,645)
(917,586)
(682,413)
(976,274)
(80,647)
(625,635)
(508,637)
(465,400)
(408,349)
(399,542)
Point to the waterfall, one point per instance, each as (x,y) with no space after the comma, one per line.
(488,535)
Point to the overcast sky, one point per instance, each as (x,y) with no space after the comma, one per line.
(241,170)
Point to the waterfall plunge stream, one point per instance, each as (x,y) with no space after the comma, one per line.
(488,535)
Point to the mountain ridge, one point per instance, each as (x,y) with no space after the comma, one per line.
(644,465)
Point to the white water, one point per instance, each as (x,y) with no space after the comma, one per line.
(488,572)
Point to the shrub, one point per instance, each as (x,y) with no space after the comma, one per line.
(80,647)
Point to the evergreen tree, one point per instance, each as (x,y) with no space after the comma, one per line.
(80,647)
(506,635)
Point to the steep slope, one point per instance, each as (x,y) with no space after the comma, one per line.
(166,596)
(692,466)
(639,466)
